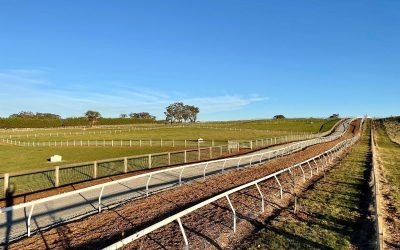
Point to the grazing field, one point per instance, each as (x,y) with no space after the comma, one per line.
(16,158)
(332,214)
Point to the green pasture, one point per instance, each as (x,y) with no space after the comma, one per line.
(17,158)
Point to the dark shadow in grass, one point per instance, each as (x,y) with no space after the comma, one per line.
(299,239)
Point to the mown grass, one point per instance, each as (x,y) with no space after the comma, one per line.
(15,158)
(296,125)
(333,213)
(389,153)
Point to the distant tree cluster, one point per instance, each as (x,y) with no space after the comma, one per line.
(37,115)
(142,115)
(179,112)
(276,117)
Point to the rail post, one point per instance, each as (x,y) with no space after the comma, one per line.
(29,220)
(204,171)
(262,198)
(280,186)
(6,182)
(304,175)
(180,177)
(238,165)
(95,170)
(199,154)
(147,186)
(185,156)
(211,154)
(57,176)
(223,166)
(149,160)
(309,165)
(125,165)
(169,158)
(234,213)
(183,234)
(100,195)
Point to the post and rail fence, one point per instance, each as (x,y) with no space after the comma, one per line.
(33,181)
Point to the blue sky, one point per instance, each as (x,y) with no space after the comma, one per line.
(233,59)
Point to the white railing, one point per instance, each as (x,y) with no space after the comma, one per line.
(327,156)
(238,162)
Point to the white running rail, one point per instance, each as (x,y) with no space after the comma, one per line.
(238,162)
(327,157)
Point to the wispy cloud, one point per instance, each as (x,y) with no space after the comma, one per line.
(25,89)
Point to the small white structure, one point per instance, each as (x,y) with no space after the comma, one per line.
(200,140)
(56,158)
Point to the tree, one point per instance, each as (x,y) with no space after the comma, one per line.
(142,115)
(334,116)
(193,112)
(92,116)
(178,112)
(279,117)
(29,114)
(123,116)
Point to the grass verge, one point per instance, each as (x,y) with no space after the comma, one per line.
(334,213)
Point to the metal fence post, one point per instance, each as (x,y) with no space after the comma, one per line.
(183,234)
(262,198)
(211,154)
(95,170)
(6,182)
(185,156)
(125,165)
(149,160)
(234,213)
(57,176)
(169,158)
(199,154)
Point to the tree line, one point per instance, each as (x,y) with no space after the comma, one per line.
(175,112)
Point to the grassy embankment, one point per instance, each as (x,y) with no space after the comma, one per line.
(333,213)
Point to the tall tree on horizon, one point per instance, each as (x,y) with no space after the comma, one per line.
(92,116)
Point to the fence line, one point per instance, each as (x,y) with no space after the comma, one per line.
(241,161)
(124,142)
(378,203)
(328,156)
(41,179)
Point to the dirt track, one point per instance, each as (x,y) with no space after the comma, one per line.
(209,227)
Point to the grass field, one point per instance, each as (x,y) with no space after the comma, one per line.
(389,153)
(333,214)
(15,158)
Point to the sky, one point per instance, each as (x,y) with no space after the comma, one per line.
(233,59)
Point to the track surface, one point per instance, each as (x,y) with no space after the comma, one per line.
(104,228)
